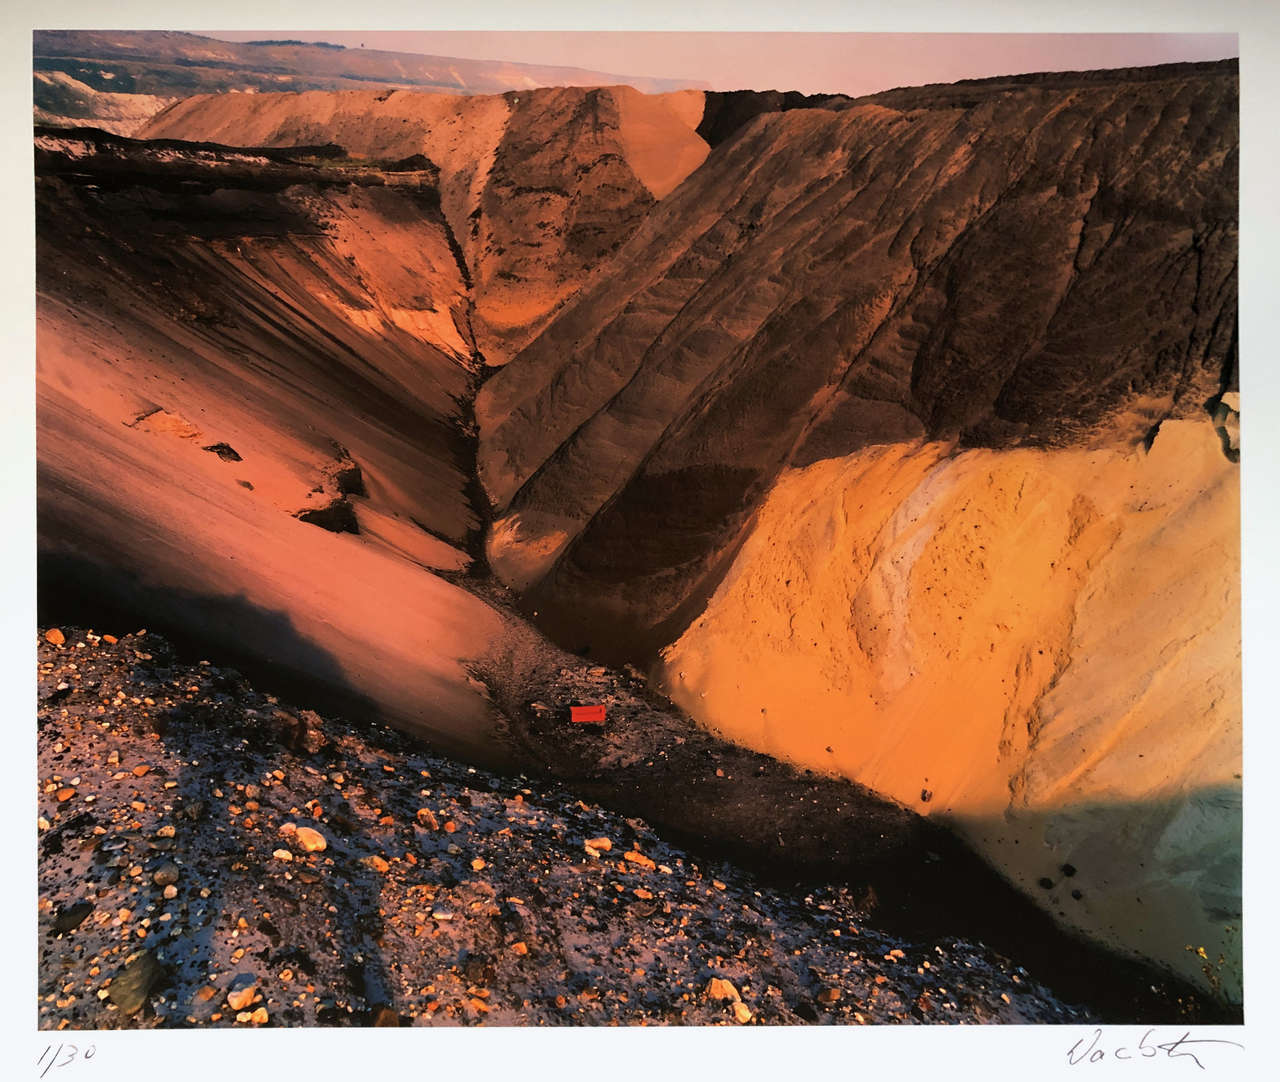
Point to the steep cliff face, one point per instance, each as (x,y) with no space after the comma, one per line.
(539,186)
(898,422)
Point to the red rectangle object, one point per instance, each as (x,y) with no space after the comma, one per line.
(588,714)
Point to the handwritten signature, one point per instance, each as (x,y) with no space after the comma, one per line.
(63,1056)
(1184,1047)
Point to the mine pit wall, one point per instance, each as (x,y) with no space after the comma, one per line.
(1041,648)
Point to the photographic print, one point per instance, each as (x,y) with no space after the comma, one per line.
(578,529)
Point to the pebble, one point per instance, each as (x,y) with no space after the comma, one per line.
(132,985)
(603,845)
(244,986)
(426,817)
(166,874)
(311,841)
(64,794)
(55,636)
(170,892)
(742,1013)
(71,917)
(477,865)
(283,854)
(377,864)
(720,989)
(640,859)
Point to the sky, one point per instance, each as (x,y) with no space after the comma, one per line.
(849,63)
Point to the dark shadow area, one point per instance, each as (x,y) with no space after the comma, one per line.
(796,830)
(264,645)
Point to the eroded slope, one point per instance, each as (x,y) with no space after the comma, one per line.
(928,402)
(538,186)
(253,379)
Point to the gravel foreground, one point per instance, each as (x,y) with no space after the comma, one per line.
(210,856)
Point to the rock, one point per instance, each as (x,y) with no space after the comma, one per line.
(829,996)
(71,917)
(383,1016)
(55,636)
(132,985)
(742,1013)
(310,840)
(64,794)
(166,874)
(170,892)
(641,860)
(519,948)
(206,993)
(110,640)
(720,989)
(240,993)
(426,817)
(141,770)
(602,845)
(259,1017)
(283,854)
(376,863)
(477,865)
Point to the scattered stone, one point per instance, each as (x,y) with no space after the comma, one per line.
(55,636)
(602,845)
(426,817)
(311,841)
(377,864)
(240,993)
(170,892)
(519,948)
(742,1013)
(477,865)
(829,996)
(166,874)
(64,794)
(283,854)
(641,860)
(132,985)
(384,1016)
(71,917)
(224,451)
(720,989)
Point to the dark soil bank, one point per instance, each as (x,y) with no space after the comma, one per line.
(210,856)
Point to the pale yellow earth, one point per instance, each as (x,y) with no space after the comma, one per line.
(1046,643)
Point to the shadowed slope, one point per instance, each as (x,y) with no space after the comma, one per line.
(538,186)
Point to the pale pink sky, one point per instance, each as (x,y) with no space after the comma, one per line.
(851,63)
